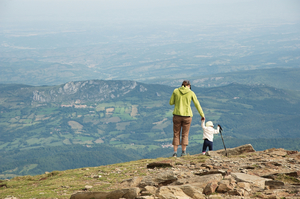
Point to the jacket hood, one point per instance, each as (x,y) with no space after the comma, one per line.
(184,90)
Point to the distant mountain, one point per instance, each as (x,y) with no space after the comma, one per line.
(284,78)
(133,117)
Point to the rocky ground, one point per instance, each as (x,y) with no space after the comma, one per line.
(240,172)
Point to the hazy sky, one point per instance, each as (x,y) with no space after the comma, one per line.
(114,11)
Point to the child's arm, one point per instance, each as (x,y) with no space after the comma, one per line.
(217,131)
(202,124)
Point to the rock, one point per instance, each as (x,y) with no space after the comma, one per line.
(10,197)
(87,187)
(163,178)
(273,184)
(171,192)
(238,150)
(293,174)
(255,180)
(199,181)
(148,190)
(210,188)
(85,195)
(192,192)
(215,197)
(236,192)
(212,172)
(244,185)
(131,193)
(224,186)
(134,182)
(164,163)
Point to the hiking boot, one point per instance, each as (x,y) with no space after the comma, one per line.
(183,153)
(174,155)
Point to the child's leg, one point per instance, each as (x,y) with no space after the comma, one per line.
(210,145)
(204,145)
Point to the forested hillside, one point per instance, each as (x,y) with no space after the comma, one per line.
(85,122)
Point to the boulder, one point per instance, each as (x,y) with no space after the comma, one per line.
(199,181)
(192,192)
(210,188)
(148,190)
(224,186)
(134,182)
(255,180)
(131,193)
(273,184)
(85,195)
(163,178)
(171,192)
(164,163)
(247,148)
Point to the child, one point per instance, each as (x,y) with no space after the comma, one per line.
(208,135)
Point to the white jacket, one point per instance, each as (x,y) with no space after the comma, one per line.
(208,132)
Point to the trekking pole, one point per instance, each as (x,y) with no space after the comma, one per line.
(220,130)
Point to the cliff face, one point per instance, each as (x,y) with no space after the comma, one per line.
(92,90)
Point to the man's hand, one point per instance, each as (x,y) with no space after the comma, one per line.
(202,119)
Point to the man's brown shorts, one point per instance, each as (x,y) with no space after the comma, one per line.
(184,123)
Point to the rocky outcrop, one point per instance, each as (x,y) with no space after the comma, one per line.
(273,173)
(83,91)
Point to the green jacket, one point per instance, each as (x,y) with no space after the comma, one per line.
(182,98)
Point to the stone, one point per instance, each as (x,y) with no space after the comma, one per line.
(236,192)
(148,190)
(210,188)
(215,171)
(274,184)
(163,178)
(199,181)
(215,197)
(224,186)
(85,195)
(132,193)
(244,185)
(255,180)
(88,187)
(192,192)
(247,148)
(293,174)
(134,182)
(171,192)
(116,194)
(164,163)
